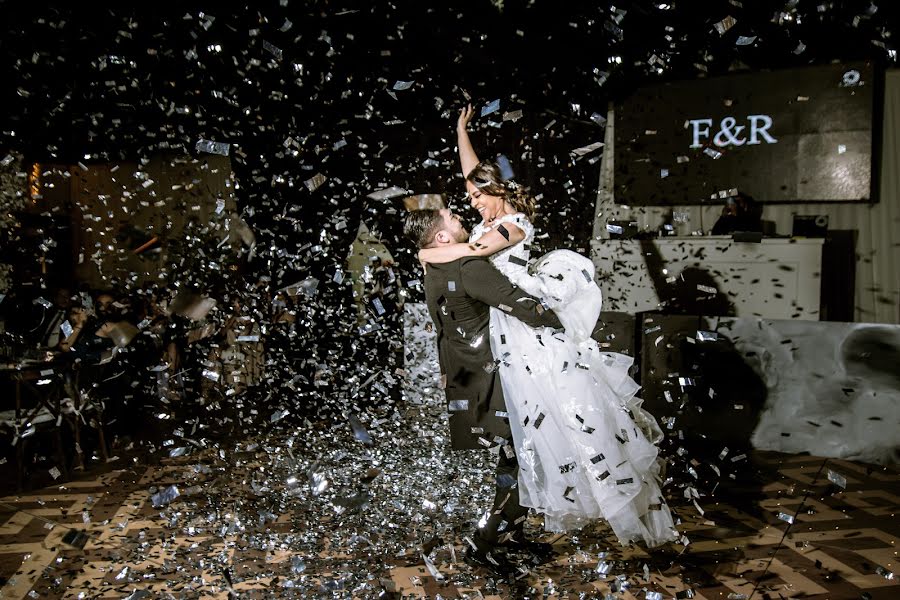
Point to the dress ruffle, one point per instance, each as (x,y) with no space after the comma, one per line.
(586,448)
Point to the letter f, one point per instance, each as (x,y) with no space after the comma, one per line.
(697,132)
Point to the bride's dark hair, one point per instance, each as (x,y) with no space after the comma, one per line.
(487,178)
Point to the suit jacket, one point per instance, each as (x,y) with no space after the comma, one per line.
(459,296)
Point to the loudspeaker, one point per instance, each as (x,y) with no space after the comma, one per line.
(811,226)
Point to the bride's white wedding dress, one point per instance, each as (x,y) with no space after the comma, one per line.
(586,449)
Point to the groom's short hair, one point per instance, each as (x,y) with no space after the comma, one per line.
(422,225)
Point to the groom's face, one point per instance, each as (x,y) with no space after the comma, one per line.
(454,227)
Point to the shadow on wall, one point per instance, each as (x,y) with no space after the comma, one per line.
(822,388)
(708,399)
(694,291)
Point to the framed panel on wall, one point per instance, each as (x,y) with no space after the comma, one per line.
(798,135)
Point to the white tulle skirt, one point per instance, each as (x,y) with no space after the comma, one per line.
(586,449)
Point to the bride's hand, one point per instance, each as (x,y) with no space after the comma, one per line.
(465,115)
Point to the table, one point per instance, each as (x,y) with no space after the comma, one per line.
(52,388)
(776,278)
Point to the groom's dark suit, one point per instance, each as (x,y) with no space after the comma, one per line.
(459,296)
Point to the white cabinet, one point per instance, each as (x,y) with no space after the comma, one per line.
(778,278)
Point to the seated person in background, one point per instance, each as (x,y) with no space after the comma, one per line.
(110,357)
(90,336)
(740,213)
(54,332)
(77,318)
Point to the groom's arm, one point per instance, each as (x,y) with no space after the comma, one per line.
(485,283)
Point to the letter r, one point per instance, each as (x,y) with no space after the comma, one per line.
(755,120)
(697,132)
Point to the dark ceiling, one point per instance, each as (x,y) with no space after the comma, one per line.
(88,82)
(174,72)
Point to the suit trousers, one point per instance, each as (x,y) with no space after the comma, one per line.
(507,518)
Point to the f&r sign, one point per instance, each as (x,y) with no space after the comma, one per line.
(729,133)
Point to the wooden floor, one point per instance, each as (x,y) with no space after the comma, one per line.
(320,514)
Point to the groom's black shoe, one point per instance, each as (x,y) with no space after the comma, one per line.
(491,560)
(536,553)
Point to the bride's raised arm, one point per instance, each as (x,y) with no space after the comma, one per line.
(467,157)
(502,236)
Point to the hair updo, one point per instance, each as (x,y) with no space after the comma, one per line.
(487,179)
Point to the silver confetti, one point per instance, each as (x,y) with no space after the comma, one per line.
(491,107)
(837,479)
(725,24)
(313,183)
(458,405)
(272,49)
(211,147)
(165,497)
(438,576)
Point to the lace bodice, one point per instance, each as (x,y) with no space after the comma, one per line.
(512,261)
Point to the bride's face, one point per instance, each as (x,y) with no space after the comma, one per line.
(489,207)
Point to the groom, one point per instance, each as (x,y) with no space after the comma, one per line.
(459,296)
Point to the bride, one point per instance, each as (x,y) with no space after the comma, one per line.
(585,447)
